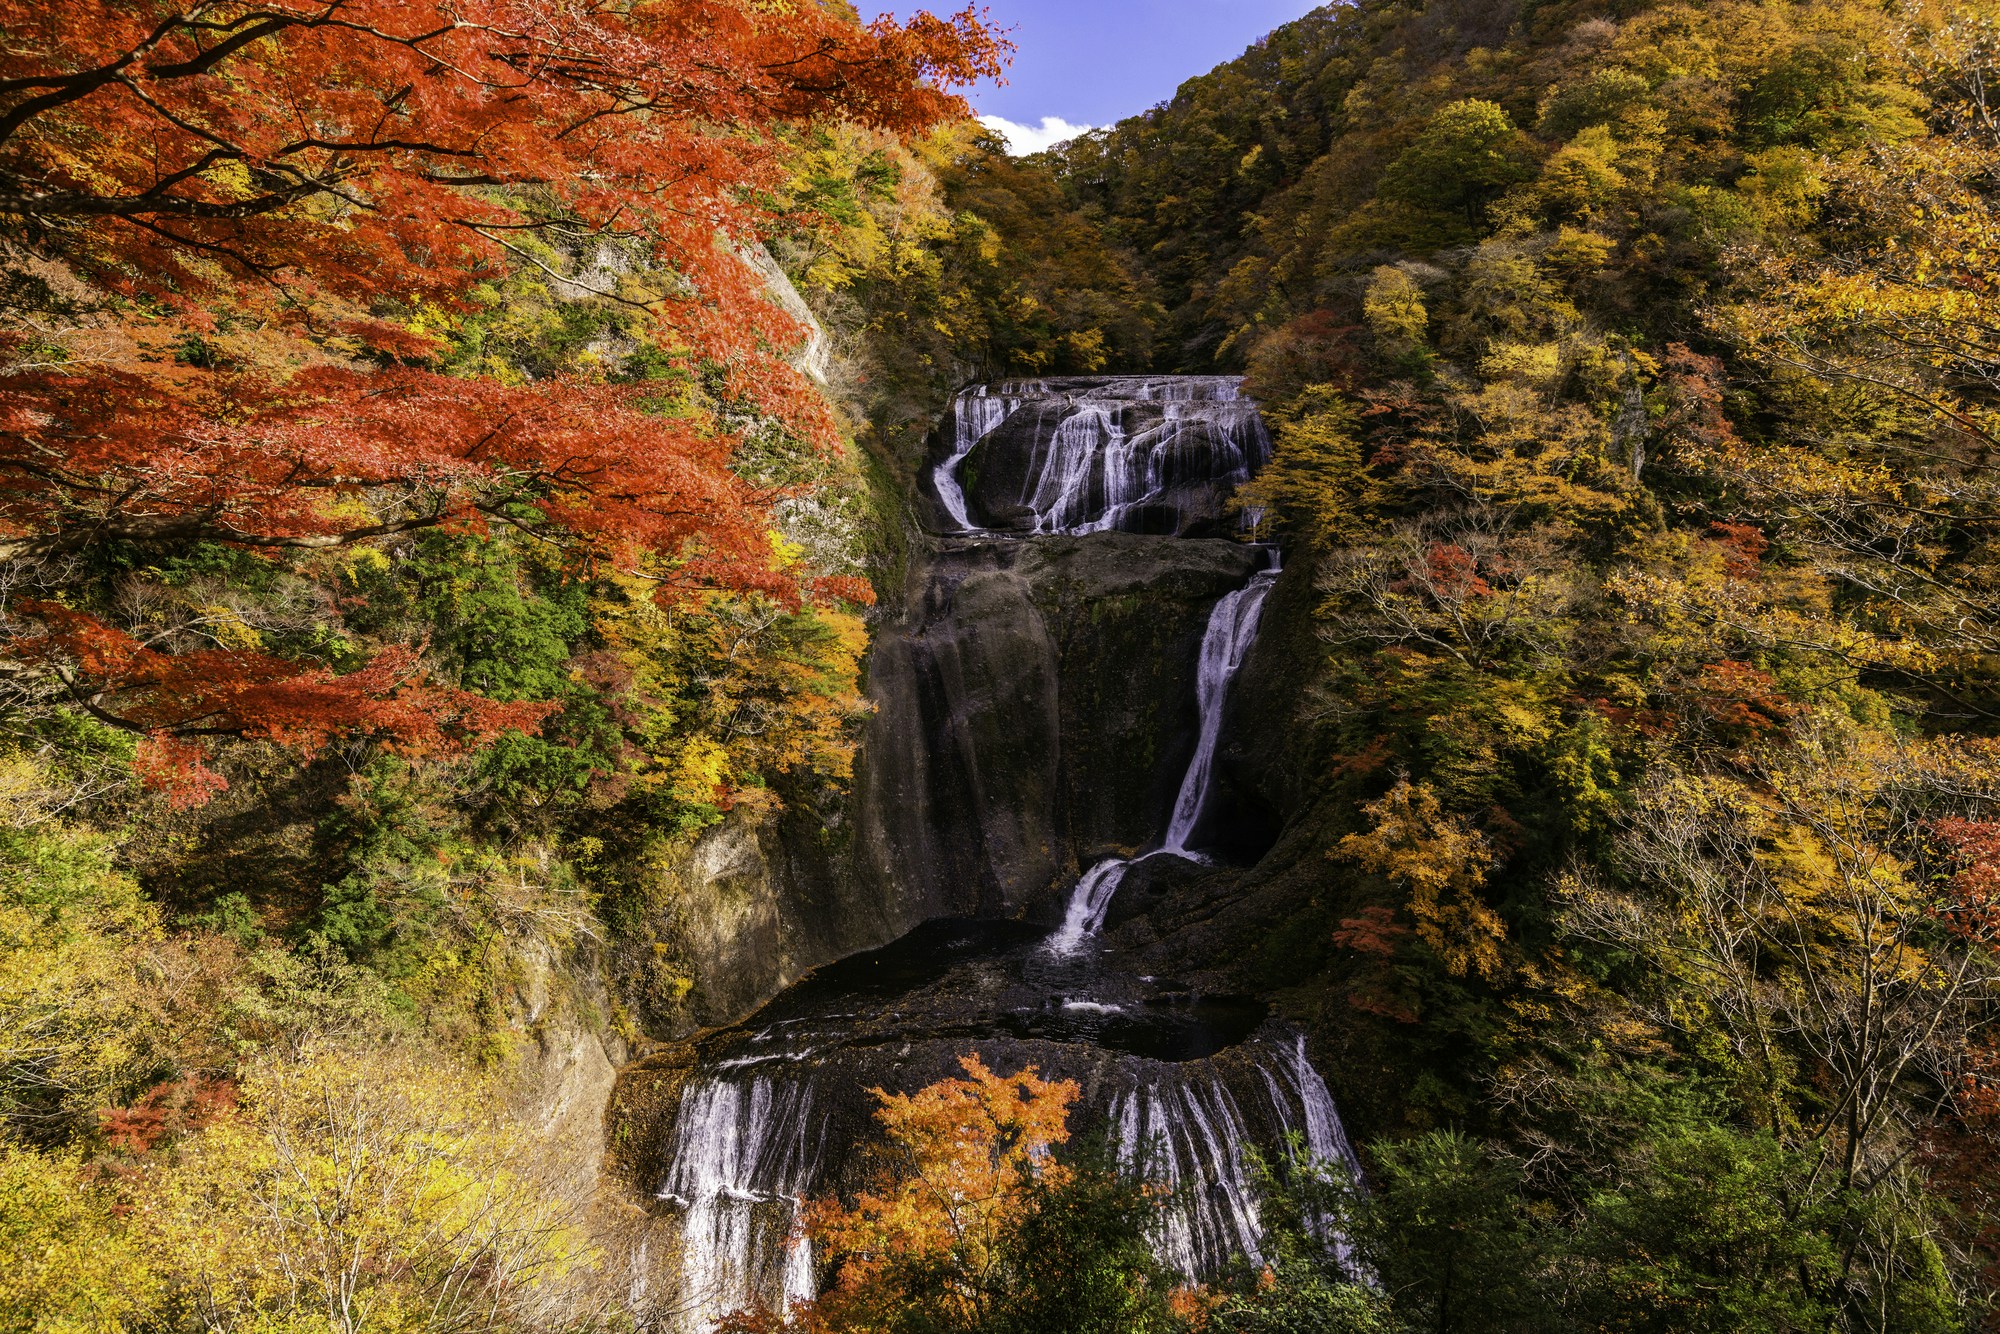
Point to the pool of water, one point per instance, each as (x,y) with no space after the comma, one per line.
(968,979)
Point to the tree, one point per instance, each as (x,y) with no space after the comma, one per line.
(1442,861)
(1819,919)
(247,223)
(1466,156)
(1445,1232)
(67,1262)
(977,1224)
(1880,343)
(358,1192)
(88,985)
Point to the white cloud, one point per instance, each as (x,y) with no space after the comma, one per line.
(1025,139)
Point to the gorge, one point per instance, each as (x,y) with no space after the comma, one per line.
(646,579)
(1182,1082)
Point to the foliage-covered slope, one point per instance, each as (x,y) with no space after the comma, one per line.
(1630,367)
(413,536)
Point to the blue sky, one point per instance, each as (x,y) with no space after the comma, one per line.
(1091,62)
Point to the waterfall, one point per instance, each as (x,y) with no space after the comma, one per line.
(1189,1138)
(1187,1082)
(745,1154)
(1326,1139)
(1188,1133)
(1148,467)
(1318,1125)
(1088,905)
(1082,445)
(1092,472)
(975,414)
(1232,628)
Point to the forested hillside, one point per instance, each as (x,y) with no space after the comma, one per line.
(455,462)
(1630,366)
(413,537)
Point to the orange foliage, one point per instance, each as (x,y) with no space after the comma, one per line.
(334,175)
(238,692)
(292,151)
(962,1150)
(1441,862)
(1745,548)
(1744,698)
(173,1108)
(1971,904)
(1376,931)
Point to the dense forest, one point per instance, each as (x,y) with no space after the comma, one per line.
(454,462)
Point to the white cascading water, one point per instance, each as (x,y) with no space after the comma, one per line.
(1188,1136)
(1318,1126)
(741,1149)
(1091,476)
(1083,444)
(976,413)
(1232,628)
(1187,1132)
(1088,903)
(1325,1138)
(1142,470)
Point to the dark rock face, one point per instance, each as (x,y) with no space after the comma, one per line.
(1035,708)
(1035,703)
(1035,695)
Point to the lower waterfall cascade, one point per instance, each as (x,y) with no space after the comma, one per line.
(740,1147)
(1181,1082)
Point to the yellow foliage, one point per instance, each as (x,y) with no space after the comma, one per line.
(365,1192)
(702,772)
(1442,862)
(1315,471)
(90,985)
(228,629)
(1394,306)
(68,1263)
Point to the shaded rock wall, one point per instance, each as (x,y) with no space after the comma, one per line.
(1035,704)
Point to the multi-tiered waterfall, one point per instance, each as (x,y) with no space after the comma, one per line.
(1181,1081)
(1092,455)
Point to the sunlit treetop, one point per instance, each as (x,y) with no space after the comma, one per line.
(322,186)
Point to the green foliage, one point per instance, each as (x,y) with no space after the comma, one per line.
(1302,1297)
(1446,1231)
(1466,157)
(1715,1230)
(1078,1260)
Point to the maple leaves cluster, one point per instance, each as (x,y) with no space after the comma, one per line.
(337,176)
(962,1155)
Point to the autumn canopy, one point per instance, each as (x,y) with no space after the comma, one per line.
(258,216)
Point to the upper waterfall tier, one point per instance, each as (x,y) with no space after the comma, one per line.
(1136,454)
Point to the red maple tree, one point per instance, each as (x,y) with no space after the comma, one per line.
(323,171)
